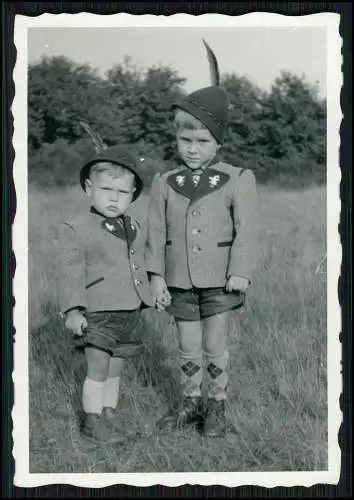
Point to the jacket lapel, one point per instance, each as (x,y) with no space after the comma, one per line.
(124,227)
(115,227)
(181,182)
(131,229)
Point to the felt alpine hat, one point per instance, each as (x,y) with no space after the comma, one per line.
(210,105)
(119,155)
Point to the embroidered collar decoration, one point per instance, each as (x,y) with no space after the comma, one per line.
(124,227)
(195,186)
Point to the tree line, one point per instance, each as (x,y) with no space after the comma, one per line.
(280,134)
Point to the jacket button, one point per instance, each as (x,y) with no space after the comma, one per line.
(137,282)
(195,212)
(132,251)
(195,231)
(196,248)
(135,267)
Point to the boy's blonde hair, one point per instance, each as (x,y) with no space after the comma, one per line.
(184,120)
(113,169)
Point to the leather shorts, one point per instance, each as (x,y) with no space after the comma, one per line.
(198,303)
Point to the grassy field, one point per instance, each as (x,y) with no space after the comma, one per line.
(278,378)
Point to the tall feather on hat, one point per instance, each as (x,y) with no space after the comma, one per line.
(213,65)
(214,69)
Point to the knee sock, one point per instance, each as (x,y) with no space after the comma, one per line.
(92,396)
(216,365)
(111,392)
(191,373)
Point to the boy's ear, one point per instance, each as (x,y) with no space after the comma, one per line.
(88,186)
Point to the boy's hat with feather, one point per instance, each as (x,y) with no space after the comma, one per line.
(210,105)
(118,155)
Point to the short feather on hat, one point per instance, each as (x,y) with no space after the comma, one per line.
(97,142)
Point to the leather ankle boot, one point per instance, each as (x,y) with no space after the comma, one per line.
(188,413)
(214,421)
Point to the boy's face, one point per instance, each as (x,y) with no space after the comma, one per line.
(111,196)
(196,147)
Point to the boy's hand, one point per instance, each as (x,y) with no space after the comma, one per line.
(162,297)
(76,322)
(237,283)
(163,301)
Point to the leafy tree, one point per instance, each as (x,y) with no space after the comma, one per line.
(280,134)
(294,128)
(138,107)
(246,103)
(60,93)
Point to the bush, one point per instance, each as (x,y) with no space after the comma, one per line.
(59,163)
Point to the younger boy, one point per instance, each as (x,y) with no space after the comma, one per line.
(201,243)
(103,284)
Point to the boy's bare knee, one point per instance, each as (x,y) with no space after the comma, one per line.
(190,336)
(216,347)
(215,337)
(97,363)
(190,344)
(191,349)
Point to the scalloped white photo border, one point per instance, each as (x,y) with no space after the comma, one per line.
(20,412)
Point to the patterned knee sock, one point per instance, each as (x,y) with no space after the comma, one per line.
(191,373)
(216,365)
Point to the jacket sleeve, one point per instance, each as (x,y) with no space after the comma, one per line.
(245,214)
(156,229)
(72,278)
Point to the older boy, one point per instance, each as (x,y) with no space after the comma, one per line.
(103,284)
(201,243)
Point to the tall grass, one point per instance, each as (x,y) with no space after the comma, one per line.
(277,394)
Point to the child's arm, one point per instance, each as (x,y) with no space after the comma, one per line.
(71,286)
(245,246)
(155,243)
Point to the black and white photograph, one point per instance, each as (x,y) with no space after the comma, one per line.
(177,250)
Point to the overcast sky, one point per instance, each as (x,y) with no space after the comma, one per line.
(259,53)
